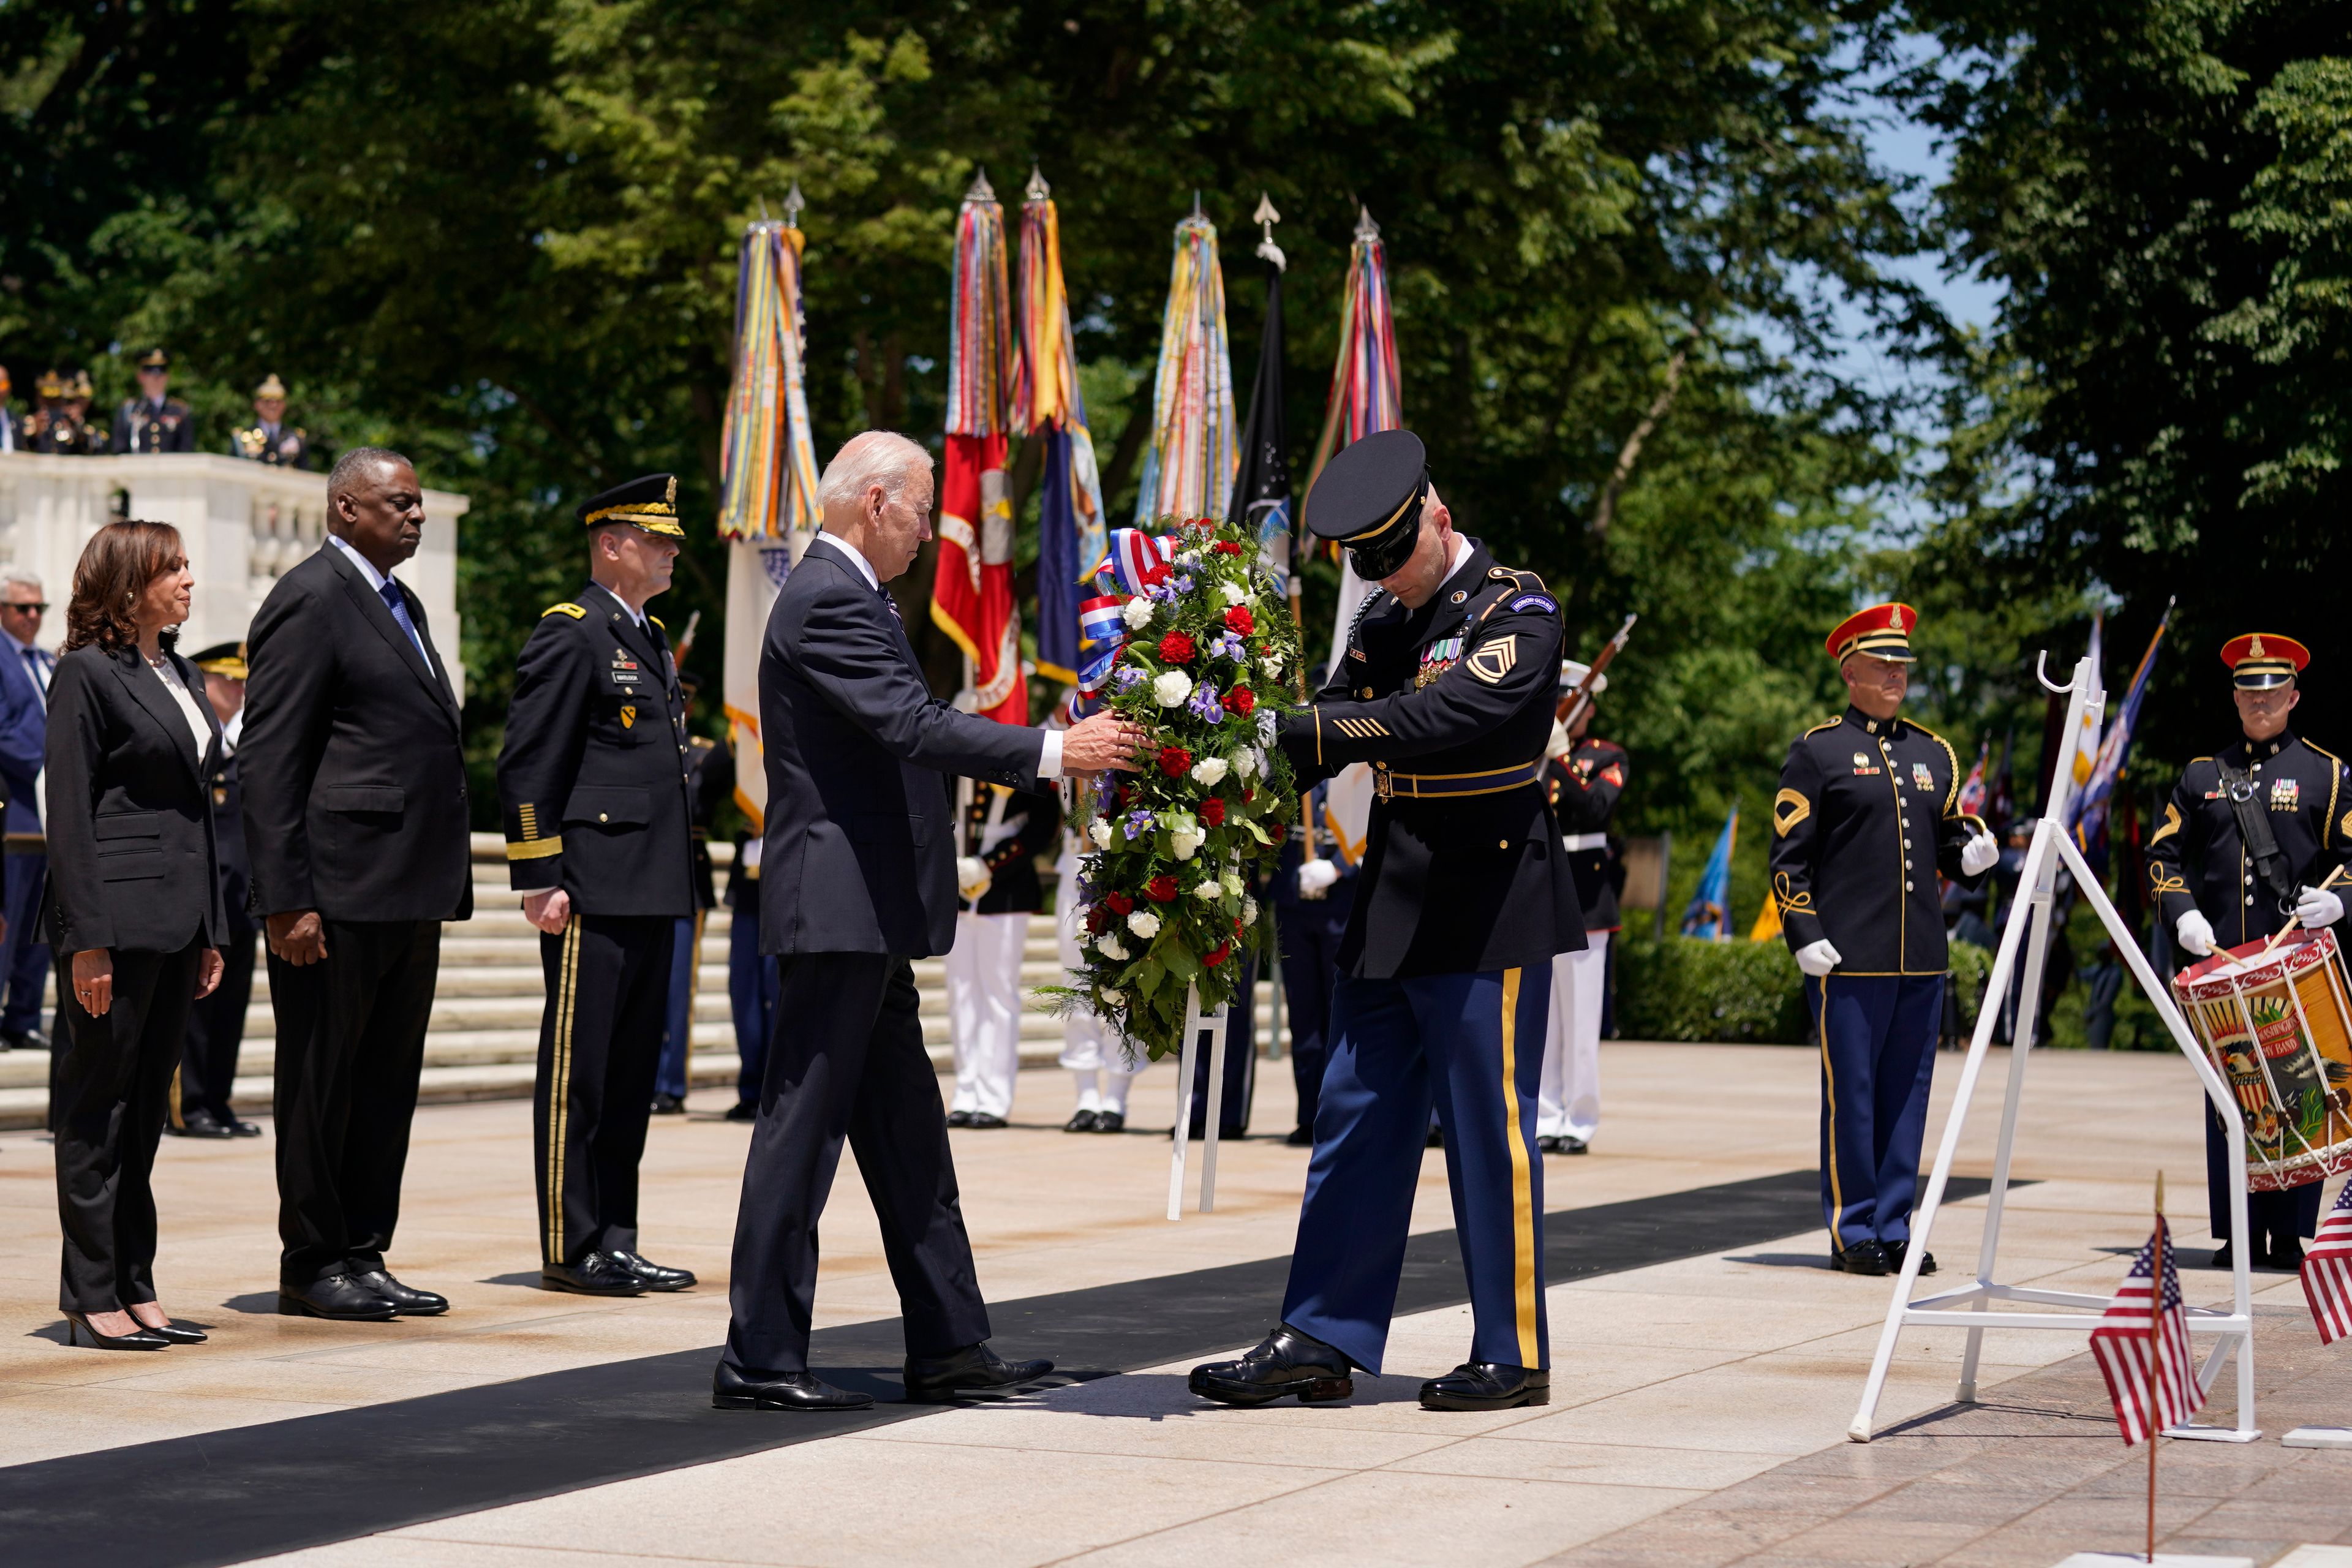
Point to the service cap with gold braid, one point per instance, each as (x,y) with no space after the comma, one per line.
(649,502)
(2260,661)
(271,387)
(1881,631)
(1367,499)
(155,359)
(50,387)
(225,659)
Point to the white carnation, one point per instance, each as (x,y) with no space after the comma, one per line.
(1186,841)
(1099,831)
(1249,910)
(1210,891)
(1113,997)
(1265,728)
(1144,923)
(1109,946)
(1272,661)
(1171,689)
(1233,591)
(1209,772)
(1136,613)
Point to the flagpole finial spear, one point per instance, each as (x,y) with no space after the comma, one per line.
(794,205)
(1196,201)
(1038,190)
(2160,1195)
(1365,227)
(763,207)
(981,191)
(1266,217)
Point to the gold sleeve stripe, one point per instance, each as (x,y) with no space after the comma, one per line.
(1789,808)
(535,848)
(2171,825)
(528,811)
(1361,728)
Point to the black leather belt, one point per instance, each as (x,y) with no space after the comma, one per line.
(1389,784)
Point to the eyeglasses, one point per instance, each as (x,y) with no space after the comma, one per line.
(36,607)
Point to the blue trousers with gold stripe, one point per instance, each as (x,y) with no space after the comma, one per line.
(1472,1045)
(1876,1035)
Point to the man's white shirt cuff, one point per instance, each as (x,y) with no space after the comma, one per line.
(1049,755)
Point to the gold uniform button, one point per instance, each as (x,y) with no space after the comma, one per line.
(1502,844)
(601,817)
(1366,694)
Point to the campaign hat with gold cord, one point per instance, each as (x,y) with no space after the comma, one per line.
(648,502)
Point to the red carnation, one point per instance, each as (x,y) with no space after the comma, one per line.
(1176,649)
(1241,698)
(1098,918)
(1212,812)
(1161,890)
(1226,547)
(1238,927)
(1238,618)
(1217,955)
(1175,761)
(1119,903)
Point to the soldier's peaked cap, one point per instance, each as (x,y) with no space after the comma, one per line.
(1881,631)
(155,359)
(1367,499)
(649,502)
(2260,661)
(225,659)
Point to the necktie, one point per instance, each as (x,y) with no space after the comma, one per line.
(398,605)
(38,676)
(892,606)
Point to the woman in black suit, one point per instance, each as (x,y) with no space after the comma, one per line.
(134,899)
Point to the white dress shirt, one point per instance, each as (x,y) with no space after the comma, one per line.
(169,675)
(376,580)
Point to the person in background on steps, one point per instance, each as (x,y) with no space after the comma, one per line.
(1004,829)
(24,670)
(1097,1060)
(200,1097)
(710,780)
(1584,777)
(134,899)
(752,975)
(1312,900)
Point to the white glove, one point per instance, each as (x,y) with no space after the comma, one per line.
(2195,932)
(1978,855)
(1818,958)
(973,876)
(2318,907)
(1561,744)
(1316,877)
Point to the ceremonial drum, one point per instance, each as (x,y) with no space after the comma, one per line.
(2275,1025)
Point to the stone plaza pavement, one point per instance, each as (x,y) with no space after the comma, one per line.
(1698,1404)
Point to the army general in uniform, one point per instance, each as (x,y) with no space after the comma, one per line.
(1464,897)
(593,790)
(1867,814)
(2246,838)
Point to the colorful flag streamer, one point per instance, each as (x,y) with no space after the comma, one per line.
(2087,812)
(1188,469)
(971,590)
(1367,389)
(1048,405)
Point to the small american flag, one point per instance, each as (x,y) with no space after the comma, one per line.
(2142,1345)
(2327,1271)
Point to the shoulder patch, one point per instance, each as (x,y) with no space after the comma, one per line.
(1543,602)
(575,611)
(1494,659)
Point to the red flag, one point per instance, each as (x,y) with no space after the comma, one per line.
(2327,1271)
(2142,1345)
(972,598)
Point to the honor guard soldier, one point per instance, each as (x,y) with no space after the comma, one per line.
(1314,898)
(53,428)
(1584,778)
(2247,840)
(592,786)
(1447,690)
(267,439)
(710,781)
(1867,814)
(200,1097)
(152,422)
(1003,831)
(77,395)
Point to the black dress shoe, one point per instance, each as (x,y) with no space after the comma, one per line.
(733,1390)
(1286,1362)
(1862,1257)
(1897,1250)
(975,1369)
(1111,1120)
(656,1277)
(598,1274)
(982,1120)
(411,1302)
(959,1118)
(139,1339)
(1568,1145)
(1083,1121)
(1548,1144)
(1300,1138)
(1486,1385)
(1436,1138)
(668,1105)
(199,1124)
(743,1111)
(2285,1255)
(2222,1258)
(178,1333)
(338,1295)
(242,1129)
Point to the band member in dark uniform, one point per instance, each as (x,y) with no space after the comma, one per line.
(200,1103)
(153,422)
(267,440)
(1584,777)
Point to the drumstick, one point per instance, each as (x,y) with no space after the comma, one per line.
(2295,922)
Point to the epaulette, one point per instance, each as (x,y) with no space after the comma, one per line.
(1826,724)
(566,608)
(657,621)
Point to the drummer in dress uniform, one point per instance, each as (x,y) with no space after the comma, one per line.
(1867,814)
(2245,840)
(1584,777)
(153,422)
(1447,690)
(1003,832)
(267,440)
(593,787)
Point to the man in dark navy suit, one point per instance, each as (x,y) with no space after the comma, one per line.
(857,880)
(24,730)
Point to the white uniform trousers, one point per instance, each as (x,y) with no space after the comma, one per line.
(1096,1058)
(984,1009)
(1568,1104)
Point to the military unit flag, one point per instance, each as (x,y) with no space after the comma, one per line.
(1367,389)
(2087,811)
(2142,1345)
(1262,490)
(1709,914)
(1188,469)
(2327,1271)
(1048,407)
(971,591)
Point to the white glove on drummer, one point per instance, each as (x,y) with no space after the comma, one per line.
(973,876)
(2195,932)
(1316,877)
(2318,907)
(1818,958)
(1979,854)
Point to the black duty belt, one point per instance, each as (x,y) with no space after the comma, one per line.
(1389,784)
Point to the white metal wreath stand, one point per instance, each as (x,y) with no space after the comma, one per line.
(1204,1029)
(1971,1307)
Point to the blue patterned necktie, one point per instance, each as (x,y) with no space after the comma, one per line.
(398,605)
(891,604)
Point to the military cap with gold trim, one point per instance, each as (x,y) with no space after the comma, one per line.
(1367,499)
(225,659)
(155,359)
(270,386)
(50,387)
(649,502)
(80,386)
(2260,661)
(1881,631)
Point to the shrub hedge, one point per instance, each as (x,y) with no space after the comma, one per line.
(1680,988)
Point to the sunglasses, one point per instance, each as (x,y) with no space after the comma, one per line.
(36,607)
